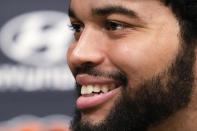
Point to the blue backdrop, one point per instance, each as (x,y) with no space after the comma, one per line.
(35,81)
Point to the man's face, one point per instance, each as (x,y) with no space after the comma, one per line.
(126,57)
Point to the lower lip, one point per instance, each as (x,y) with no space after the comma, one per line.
(85,102)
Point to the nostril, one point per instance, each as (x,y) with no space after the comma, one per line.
(88,68)
(89,64)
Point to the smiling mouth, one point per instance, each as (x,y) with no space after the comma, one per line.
(95,91)
(91,90)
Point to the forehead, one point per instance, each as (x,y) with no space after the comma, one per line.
(145,9)
(95,3)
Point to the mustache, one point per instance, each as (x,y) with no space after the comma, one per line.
(97,72)
(94,71)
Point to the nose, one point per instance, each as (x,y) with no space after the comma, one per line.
(87,50)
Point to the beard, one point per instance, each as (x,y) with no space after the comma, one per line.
(154,101)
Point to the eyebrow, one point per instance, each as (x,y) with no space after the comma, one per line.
(108,11)
(114,10)
(71,13)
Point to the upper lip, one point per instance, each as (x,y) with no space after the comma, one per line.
(85,79)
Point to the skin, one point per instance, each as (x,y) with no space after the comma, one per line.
(142,47)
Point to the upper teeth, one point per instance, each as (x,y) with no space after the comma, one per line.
(88,89)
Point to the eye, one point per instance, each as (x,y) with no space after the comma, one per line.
(114,25)
(77,27)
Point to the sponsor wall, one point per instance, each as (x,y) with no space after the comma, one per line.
(36,85)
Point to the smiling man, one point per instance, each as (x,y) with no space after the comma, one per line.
(134,62)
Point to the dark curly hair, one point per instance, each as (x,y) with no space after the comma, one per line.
(186,13)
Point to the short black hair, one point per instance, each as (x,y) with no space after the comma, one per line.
(186,13)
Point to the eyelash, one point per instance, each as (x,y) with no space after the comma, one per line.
(110,25)
(76,27)
(115,25)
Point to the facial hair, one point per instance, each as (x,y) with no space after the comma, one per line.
(155,100)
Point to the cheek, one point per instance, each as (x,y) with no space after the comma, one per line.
(141,60)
